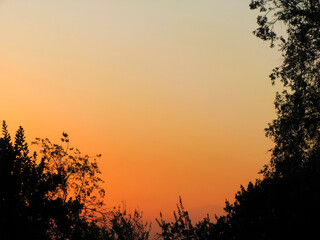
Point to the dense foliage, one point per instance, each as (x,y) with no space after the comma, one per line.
(56,194)
(296,130)
(48,198)
(274,208)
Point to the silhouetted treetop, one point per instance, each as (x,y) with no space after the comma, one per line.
(293,14)
(52,195)
(56,194)
(81,174)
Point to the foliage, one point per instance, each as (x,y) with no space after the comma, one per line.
(295,132)
(275,208)
(272,208)
(279,206)
(80,174)
(56,194)
(182,228)
(124,225)
(49,198)
(285,203)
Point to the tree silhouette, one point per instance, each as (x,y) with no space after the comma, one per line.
(80,175)
(56,194)
(54,197)
(280,205)
(295,131)
(285,203)
(274,208)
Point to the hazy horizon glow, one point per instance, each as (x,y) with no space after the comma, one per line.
(174,94)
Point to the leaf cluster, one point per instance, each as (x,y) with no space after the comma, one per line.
(48,198)
(295,131)
(182,227)
(124,225)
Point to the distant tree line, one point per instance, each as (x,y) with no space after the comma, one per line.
(56,194)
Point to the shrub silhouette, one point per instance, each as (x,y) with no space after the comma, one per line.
(125,225)
(182,227)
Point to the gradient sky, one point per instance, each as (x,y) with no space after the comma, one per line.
(173,93)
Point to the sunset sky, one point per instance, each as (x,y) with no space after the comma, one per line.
(173,93)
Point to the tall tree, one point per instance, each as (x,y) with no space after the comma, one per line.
(285,203)
(279,206)
(296,130)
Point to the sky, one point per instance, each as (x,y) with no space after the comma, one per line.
(174,94)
